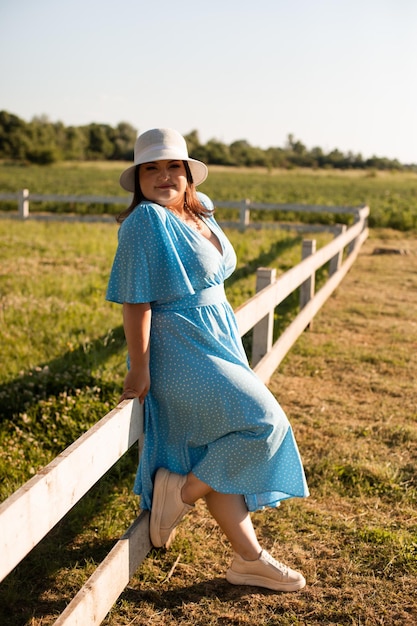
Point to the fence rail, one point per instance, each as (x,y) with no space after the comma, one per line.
(245,206)
(32,511)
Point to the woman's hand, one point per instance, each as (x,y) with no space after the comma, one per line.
(136,385)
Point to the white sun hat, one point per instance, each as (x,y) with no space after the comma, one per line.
(159,144)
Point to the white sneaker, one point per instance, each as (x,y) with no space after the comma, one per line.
(264,572)
(168,509)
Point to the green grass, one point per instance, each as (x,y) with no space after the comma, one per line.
(348,386)
(63,354)
(392,196)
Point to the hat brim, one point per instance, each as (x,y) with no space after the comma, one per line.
(199,172)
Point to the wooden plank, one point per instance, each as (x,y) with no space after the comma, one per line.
(336,261)
(9,196)
(23,204)
(263,331)
(304,208)
(95,599)
(71,217)
(226,204)
(85,199)
(266,367)
(253,310)
(308,287)
(34,509)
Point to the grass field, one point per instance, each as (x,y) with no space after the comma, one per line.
(392,196)
(348,386)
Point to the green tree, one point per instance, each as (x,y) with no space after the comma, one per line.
(44,148)
(242,153)
(217,153)
(317,156)
(337,159)
(14,140)
(124,140)
(277,157)
(297,153)
(76,142)
(100,142)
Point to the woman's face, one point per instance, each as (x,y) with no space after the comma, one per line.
(164,182)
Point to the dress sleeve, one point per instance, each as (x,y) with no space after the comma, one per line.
(147,266)
(205,201)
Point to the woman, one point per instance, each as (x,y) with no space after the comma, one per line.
(212,429)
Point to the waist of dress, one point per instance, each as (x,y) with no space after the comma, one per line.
(205,297)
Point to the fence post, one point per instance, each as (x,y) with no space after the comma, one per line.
(244,214)
(336,262)
(263,330)
(308,286)
(353,243)
(23,203)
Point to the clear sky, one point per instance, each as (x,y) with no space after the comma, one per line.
(334,73)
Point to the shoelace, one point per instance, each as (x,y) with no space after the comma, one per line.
(279,566)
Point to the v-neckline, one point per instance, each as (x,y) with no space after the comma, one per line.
(219,249)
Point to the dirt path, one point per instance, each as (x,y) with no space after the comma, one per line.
(361,354)
(349,387)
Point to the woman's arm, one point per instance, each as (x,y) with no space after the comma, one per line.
(137,326)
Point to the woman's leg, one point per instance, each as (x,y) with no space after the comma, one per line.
(174,495)
(193,489)
(229,511)
(251,565)
(231,514)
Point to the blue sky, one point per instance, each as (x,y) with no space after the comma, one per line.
(335,74)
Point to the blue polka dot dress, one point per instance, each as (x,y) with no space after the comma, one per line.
(206,411)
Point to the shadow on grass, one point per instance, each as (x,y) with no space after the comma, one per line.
(159,599)
(176,600)
(51,574)
(287,309)
(71,371)
(264,259)
(74,541)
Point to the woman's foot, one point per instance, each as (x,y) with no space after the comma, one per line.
(264,572)
(168,509)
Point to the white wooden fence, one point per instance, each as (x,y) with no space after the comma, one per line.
(33,510)
(245,206)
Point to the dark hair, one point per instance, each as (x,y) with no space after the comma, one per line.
(191,198)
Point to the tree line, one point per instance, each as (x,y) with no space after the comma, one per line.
(44,142)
